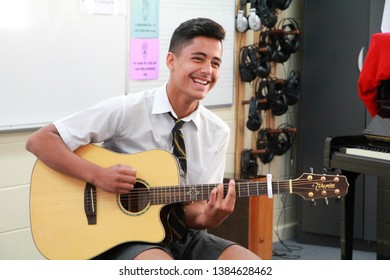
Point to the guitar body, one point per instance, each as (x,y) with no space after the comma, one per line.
(72,219)
(59,223)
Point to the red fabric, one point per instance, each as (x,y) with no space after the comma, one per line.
(376,68)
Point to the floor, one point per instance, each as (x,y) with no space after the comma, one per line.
(291,250)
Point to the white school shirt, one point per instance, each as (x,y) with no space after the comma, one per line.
(141,121)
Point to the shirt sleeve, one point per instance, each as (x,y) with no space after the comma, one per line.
(91,125)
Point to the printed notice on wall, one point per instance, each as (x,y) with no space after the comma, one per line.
(144,59)
(104,7)
(144,16)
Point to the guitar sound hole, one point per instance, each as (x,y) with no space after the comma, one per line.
(137,199)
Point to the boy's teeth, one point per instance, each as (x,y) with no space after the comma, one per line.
(200,81)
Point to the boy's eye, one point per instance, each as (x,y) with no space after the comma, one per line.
(216,64)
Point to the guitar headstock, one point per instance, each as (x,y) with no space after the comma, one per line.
(314,186)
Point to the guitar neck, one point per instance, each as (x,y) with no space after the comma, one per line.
(188,193)
(308,186)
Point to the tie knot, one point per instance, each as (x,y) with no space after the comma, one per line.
(178,125)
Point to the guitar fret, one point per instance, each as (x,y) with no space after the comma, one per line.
(155,195)
(179,198)
(252,190)
(183,193)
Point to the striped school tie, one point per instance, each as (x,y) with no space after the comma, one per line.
(175,212)
(179,148)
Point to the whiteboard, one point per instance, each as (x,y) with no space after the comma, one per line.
(55,60)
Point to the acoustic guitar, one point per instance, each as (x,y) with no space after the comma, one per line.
(72,219)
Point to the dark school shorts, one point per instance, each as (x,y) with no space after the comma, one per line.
(198,245)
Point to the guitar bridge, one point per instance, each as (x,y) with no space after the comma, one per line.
(90,203)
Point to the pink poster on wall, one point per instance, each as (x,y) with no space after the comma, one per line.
(144,59)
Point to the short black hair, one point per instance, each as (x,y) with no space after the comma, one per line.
(192,28)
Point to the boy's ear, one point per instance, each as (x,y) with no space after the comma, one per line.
(170,60)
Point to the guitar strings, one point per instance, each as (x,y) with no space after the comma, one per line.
(251,186)
(171,194)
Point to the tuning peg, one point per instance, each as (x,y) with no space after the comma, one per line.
(337,171)
(313,203)
(326,201)
(324,170)
(339,200)
(311,170)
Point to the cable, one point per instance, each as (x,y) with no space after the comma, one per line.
(286,252)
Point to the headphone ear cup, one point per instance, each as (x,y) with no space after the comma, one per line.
(263,144)
(283,4)
(290,41)
(254,119)
(279,143)
(291,87)
(242,24)
(254,20)
(261,94)
(249,164)
(282,141)
(245,71)
(279,105)
(266,11)
(276,99)
(259,65)
(278,54)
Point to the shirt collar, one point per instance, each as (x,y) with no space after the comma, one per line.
(161,105)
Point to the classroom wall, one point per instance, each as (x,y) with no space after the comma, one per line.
(16,165)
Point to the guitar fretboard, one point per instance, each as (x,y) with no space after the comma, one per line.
(174,194)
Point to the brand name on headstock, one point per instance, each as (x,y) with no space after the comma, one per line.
(322,186)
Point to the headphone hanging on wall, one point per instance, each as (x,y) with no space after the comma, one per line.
(254,119)
(261,94)
(252,21)
(242,24)
(249,164)
(259,64)
(292,86)
(279,54)
(276,98)
(283,4)
(244,67)
(281,142)
(266,9)
(291,35)
(263,144)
